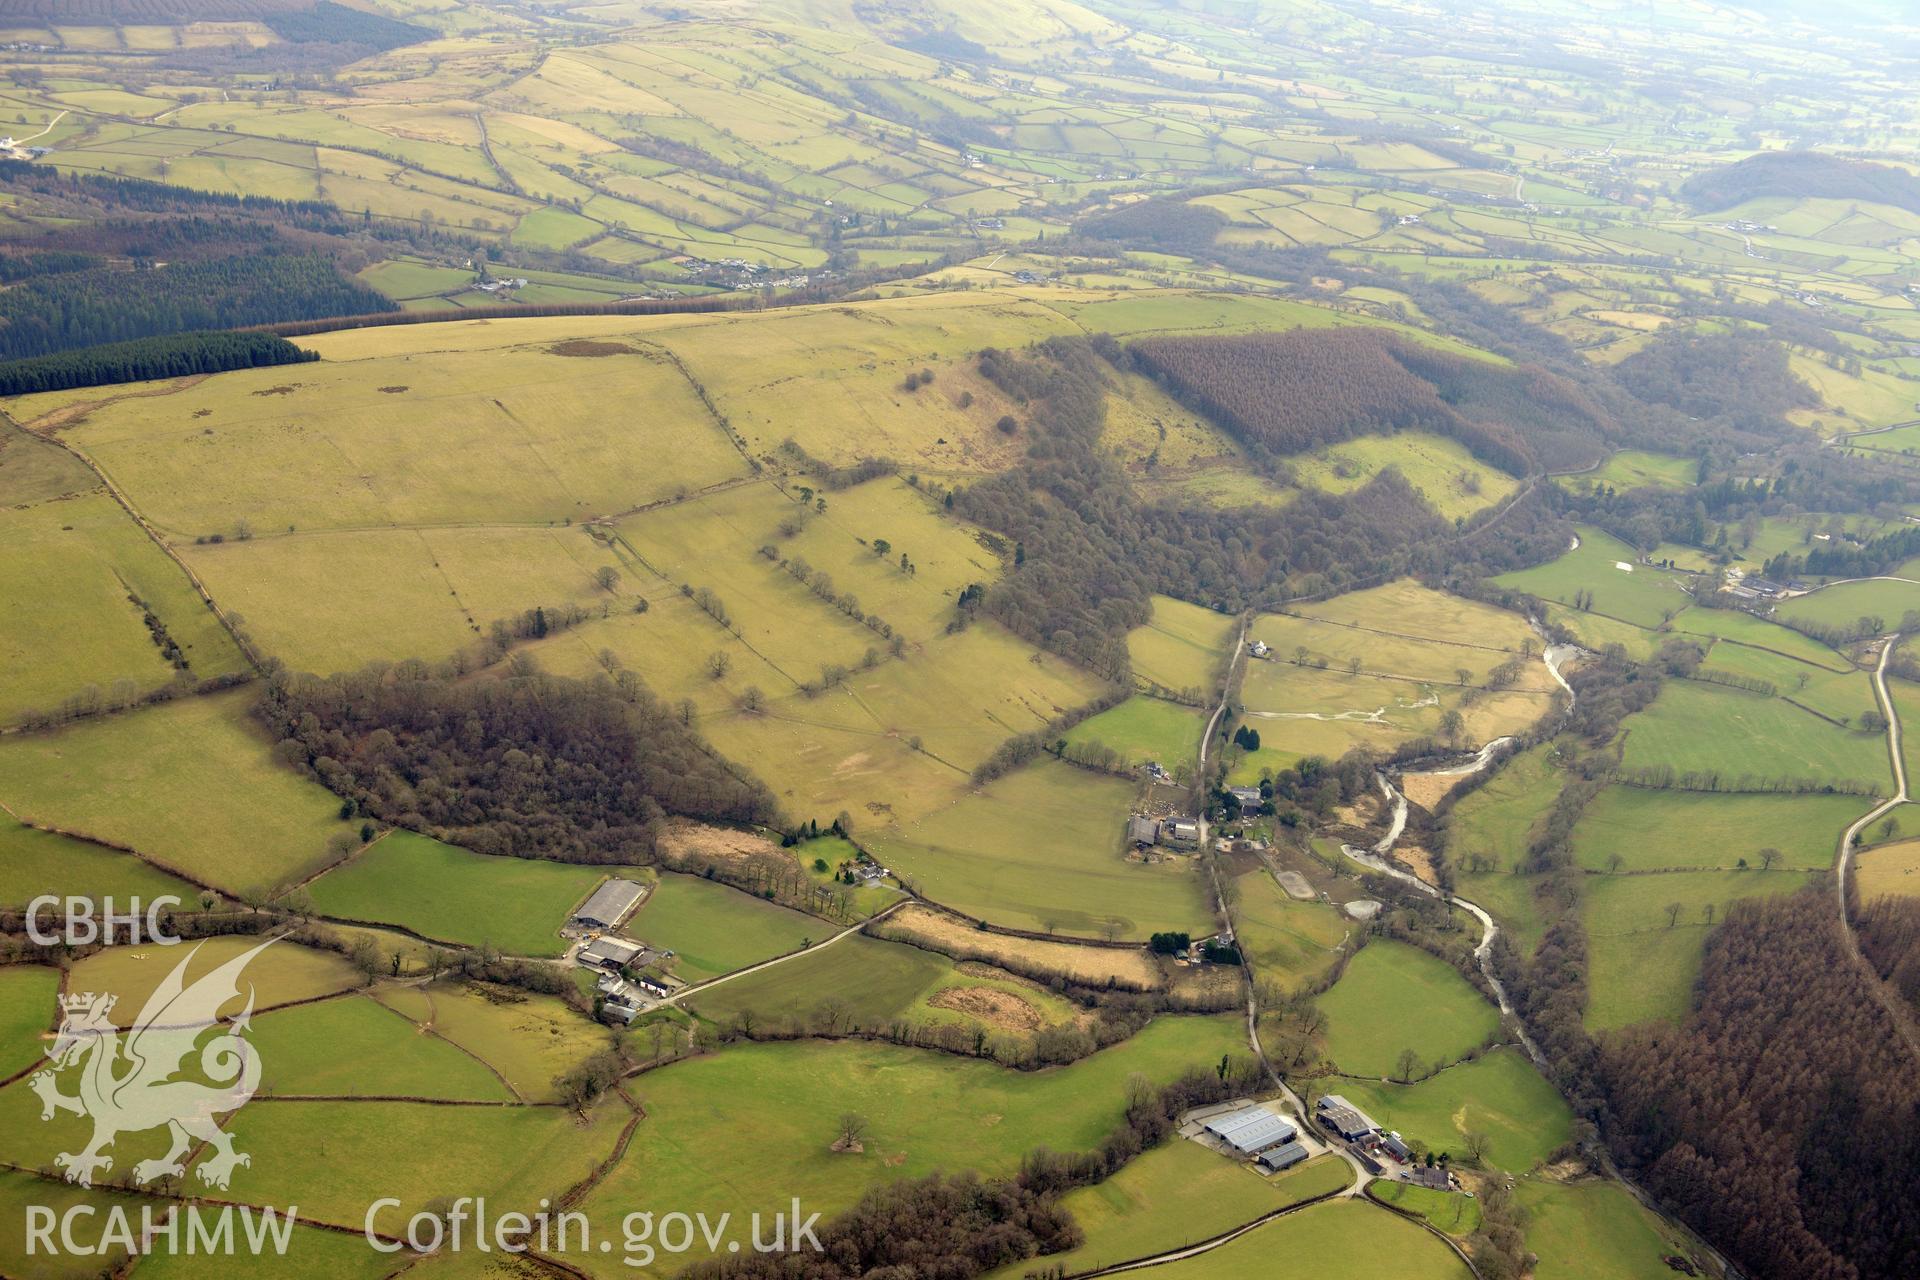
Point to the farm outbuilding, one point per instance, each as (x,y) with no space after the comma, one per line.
(1345,1119)
(608,905)
(609,953)
(1284,1156)
(1251,1129)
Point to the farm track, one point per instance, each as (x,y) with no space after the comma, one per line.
(1903,1017)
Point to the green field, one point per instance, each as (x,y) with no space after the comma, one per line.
(1639,595)
(1394,997)
(1660,830)
(1635,469)
(194,785)
(36,862)
(281,974)
(1040,849)
(1345,1240)
(1453,481)
(699,1147)
(712,929)
(527,1040)
(869,984)
(1640,966)
(1595,1228)
(1450,1211)
(1843,603)
(1174,1195)
(1499,1096)
(326,1048)
(29,1007)
(1184,647)
(1285,941)
(1749,741)
(515,905)
(1143,729)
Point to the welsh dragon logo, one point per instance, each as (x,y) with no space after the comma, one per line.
(128,1078)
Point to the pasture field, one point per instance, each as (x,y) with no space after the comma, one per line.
(1144,728)
(1040,849)
(1636,469)
(192,784)
(356,1152)
(1174,1195)
(1499,1095)
(1843,696)
(1747,739)
(1453,1213)
(527,1039)
(1285,941)
(34,862)
(1594,1227)
(1641,967)
(1343,1240)
(1596,631)
(696,1148)
(312,1254)
(1452,480)
(873,984)
(1844,602)
(19,1191)
(713,929)
(1406,609)
(1888,869)
(29,1007)
(515,905)
(79,569)
(1641,595)
(326,1048)
(283,973)
(1757,633)
(1184,647)
(1691,830)
(1394,997)
(1493,822)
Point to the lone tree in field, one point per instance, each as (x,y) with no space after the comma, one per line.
(607,576)
(1462,674)
(1406,1066)
(719,662)
(1768,857)
(1673,913)
(853,1128)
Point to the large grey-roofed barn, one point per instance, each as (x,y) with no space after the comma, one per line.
(608,905)
(1283,1157)
(1251,1129)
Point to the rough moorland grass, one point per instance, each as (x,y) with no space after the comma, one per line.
(713,929)
(1498,1094)
(1040,849)
(1184,647)
(283,973)
(1342,1240)
(28,1008)
(526,1038)
(1655,830)
(698,1146)
(1394,997)
(1143,728)
(1750,740)
(516,905)
(1842,603)
(193,784)
(1640,967)
(35,862)
(1642,596)
(1889,869)
(1172,1196)
(1286,941)
(355,1046)
(1594,1228)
